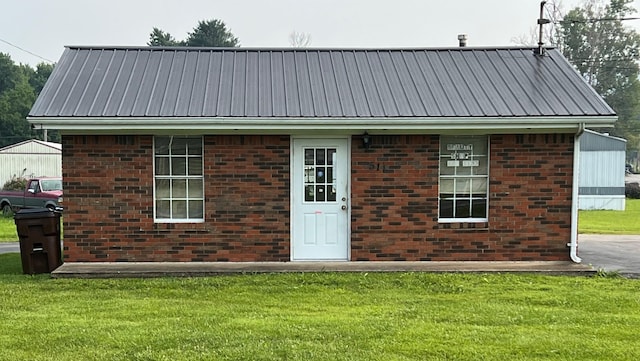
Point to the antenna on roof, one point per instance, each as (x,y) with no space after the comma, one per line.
(541,21)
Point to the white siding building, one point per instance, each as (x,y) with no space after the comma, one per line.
(602,159)
(31,158)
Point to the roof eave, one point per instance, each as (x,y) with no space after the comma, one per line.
(291,124)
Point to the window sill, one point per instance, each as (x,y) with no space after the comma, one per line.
(469,225)
(463,220)
(179,221)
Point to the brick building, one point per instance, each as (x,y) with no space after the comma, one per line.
(210,154)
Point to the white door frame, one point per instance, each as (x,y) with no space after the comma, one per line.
(295,176)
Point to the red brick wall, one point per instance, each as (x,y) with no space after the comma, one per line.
(395,201)
(108,203)
(108,183)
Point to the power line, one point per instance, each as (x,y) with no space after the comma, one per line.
(594,20)
(26,51)
(604,58)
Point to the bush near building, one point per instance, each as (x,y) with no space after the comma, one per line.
(15,184)
(632,190)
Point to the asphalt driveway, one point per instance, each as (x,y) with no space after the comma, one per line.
(9,247)
(611,253)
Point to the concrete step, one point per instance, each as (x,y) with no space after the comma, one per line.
(194,269)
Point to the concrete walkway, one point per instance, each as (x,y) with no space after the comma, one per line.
(189,269)
(611,253)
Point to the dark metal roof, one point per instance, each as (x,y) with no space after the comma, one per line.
(314,83)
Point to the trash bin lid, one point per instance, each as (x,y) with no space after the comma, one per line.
(34,213)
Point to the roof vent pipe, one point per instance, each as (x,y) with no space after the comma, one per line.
(462,40)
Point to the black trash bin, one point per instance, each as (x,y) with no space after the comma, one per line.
(39,234)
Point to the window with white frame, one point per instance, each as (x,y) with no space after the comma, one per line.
(464,178)
(179,179)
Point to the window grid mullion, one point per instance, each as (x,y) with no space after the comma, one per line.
(187,177)
(455,151)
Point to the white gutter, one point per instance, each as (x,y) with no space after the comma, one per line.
(575,196)
(297,123)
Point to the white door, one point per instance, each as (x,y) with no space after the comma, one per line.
(320,199)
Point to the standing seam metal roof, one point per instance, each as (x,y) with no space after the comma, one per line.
(333,83)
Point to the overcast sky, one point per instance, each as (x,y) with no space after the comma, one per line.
(44,27)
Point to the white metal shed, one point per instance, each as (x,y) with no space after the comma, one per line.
(602,159)
(30,158)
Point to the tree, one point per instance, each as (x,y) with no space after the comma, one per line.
(605,52)
(9,73)
(15,104)
(299,40)
(12,93)
(161,38)
(19,87)
(211,33)
(40,76)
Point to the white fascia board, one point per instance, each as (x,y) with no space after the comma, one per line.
(288,124)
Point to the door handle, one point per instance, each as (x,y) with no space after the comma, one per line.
(344,208)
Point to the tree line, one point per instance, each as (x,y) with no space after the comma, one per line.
(593,36)
(605,51)
(20,84)
(19,87)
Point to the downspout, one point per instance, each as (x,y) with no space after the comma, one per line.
(575,195)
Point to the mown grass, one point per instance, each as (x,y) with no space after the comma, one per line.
(319,316)
(612,222)
(8,230)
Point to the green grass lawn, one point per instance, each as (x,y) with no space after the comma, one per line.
(612,222)
(7,230)
(318,316)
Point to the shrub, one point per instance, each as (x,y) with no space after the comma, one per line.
(632,190)
(15,184)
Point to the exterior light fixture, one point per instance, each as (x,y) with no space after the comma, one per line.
(366,140)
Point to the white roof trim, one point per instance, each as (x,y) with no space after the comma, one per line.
(286,124)
(56,146)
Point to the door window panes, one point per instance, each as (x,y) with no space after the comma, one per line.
(319,174)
